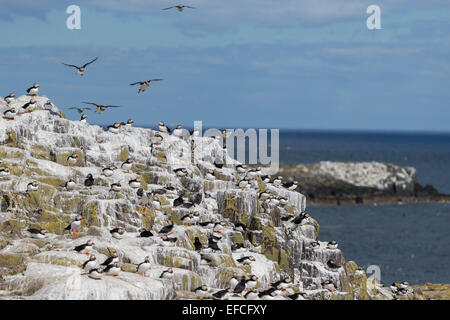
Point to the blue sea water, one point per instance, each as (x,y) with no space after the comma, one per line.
(409,242)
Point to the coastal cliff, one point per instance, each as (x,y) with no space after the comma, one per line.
(36,146)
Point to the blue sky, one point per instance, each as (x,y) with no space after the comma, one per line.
(248,63)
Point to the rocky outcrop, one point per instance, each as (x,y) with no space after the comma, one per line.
(36,147)
(359,182)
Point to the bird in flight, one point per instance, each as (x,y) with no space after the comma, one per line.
(180,7)
(80,70)
(101,108)
(80,110)
(144,84)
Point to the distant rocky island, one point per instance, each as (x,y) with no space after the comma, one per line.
(348,183)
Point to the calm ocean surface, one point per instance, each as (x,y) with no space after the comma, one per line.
(408,242)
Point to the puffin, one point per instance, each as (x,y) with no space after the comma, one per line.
(112,270)
(4,172)
(82,69)
(328,285)
(163,128)
(37,233)
(296,296)
(240,168)
(197,244)
(80,110)
(89,181)
(10,98)
(33,91)
(283,283)
(238,226)
(95,274)
(246,259)
(195,133)
(126,165)
(180,7)
(201,291)
(70,185)
(99,108)
(167,228)
(32,186)
(290,185)
(135,183)
(332,264)
(252,282)
(265,179)
(187,219)
(144,84)
(90,264)
(198,199)
(143,267)
(168,239)
(252,295)
(178,201)
(210,175)
(332,244)
(114,128)
(180,172)
(29,105)
(83,248)
(278,181)
(9,114)
(116,187)
(83,117)
(314,244)
(221,294)
(167,274)
(234,280)
(108,171)
(114,258)
(117,233)
(75,226)
(240,287)
(143,233)
(268,294)
(72,159)
(213,245)
(237,246)
(300,218)
(178,131)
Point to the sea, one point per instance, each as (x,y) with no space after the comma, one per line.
(405,242)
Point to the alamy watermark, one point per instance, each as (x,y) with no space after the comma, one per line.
(74,20)
(374,20)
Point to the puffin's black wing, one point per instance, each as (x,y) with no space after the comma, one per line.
(94,104)
(34,231)
(135,83)
(112,106)
(169,8)
(107,261)
(80,247)
(85,263)
(69,226)
(157,79)
(70,65)
(84,66)
(188,7)
(162,274)
(108,267)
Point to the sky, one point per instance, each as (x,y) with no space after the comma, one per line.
(291,64)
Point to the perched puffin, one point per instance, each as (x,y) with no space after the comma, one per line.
(167,228)
(278,181)
(314,244)
(143,267)
(404,285)
(268,294)
(240,168)
(9,114)
(210,175)
(95,274)
(283,283)
(201,291)
(213,245)
(90,264)
(188,219)
(178,201)
(114,258)
(70,185)
(135,183)
(332,245)
(197,244)
(329,285)
(166,238)
(82,69)
(163,128)
(75,226)
(108,171)
(234,280)
(83,248)
(252,282)
(237,246)
(83,117)
(112,270)
(37,233)
(114,128)
(116,187)
(10,98)
(80,110)
(252,295)
(246,259)
(143,233)
(72,159)
(117,233)
(221,294)
(332,264)
(89,181)
(238,226)
(32,186)
(180,172)
(240,287)
(126,165)
(100,108)
(265,179)
(178,131)
(300,218)
(180,7)
(33,91)
(296,296)
(4,172)
(28,107)
(144,84)
(290,185)
(167,274)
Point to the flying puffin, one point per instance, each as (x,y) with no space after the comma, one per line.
(180,7)
(83,248)
(167,274)
(163,128)
(82,69)
(95,274)
(10,98)
(89,182)
(37,233)
(117,233)
(28,107)
(33,91)
(116,187)
(9,114)
(145,233)
(283,283)
(80,110)
(143,267)
(144,84)
(70,185)
(114,258)
(101,108)
(32,186)
(75,226)
(112,270)
(84,117)
(72,159)
(90,264)
(126,165)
